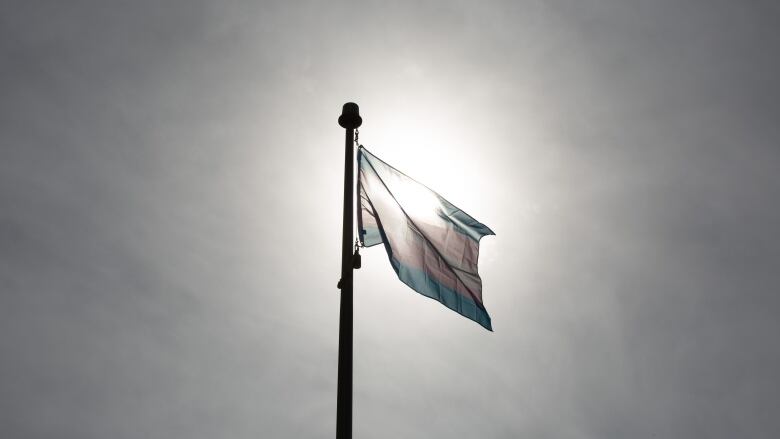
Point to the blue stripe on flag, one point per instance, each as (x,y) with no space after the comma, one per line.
(427,286)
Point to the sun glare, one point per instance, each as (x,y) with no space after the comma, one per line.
(418,202)
(432,142)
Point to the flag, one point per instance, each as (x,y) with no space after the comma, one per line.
(432,245)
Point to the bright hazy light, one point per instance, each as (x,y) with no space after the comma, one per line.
(418,202)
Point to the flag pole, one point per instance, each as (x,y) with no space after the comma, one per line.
(349,120)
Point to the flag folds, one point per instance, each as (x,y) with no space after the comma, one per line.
(433,246)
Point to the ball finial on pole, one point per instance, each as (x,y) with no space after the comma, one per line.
(350,116)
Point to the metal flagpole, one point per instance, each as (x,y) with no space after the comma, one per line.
(349,120)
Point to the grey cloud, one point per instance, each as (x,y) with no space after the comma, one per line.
(170,206)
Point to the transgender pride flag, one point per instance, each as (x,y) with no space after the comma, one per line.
(433,246)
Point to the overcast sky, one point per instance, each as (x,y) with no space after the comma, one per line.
(170,207)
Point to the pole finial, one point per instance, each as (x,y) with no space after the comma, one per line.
(350,116)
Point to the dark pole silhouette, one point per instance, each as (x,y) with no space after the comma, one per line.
(349,120)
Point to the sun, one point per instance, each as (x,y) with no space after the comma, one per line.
(419,202)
